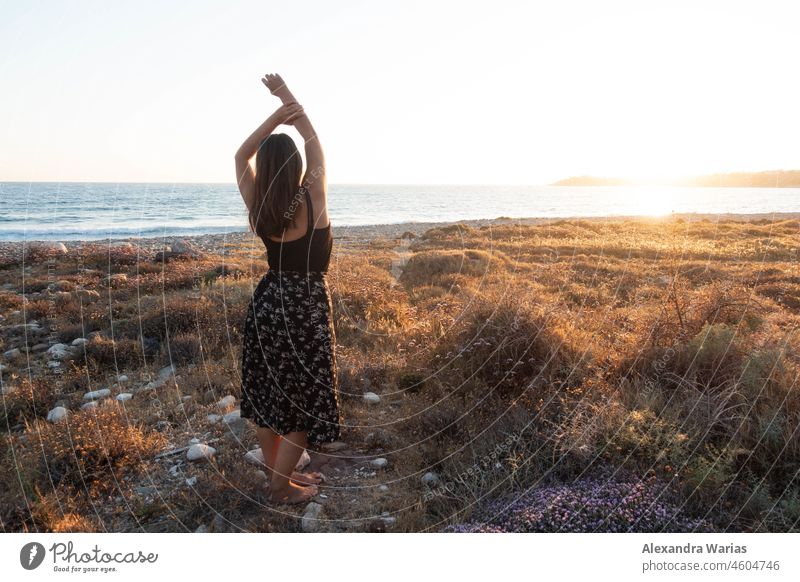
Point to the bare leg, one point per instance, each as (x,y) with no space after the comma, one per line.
(282,489)
(270,442)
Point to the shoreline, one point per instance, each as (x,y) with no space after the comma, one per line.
(396,230)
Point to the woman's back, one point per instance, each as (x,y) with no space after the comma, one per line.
(310,252)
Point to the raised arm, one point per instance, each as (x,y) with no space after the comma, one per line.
(245,177)
(315,179)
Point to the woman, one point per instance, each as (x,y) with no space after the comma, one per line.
(289,377)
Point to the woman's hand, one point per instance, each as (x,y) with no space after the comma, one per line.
(287,113)
(274,83)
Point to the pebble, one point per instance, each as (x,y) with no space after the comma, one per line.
(383,488)
(124,396)
(227,402)
(122,378)
(59,351)
(53,364)
(79,341)
(371,397)
(310,520)
(200,451)
(256,457)
(334,446)
(92,404)
(191,481)
(430,479)
(57,414)
(379,463)
(214,418)
(97,394)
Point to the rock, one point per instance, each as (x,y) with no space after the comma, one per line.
(202,528)
(38,348)
(379,463)
(52,248)
(166,373)
(52,364)
(61,285)
(214,418)
(261,475)
(182,247)
(59,351)
(57,414)
(305,461)
(235,422)
(92,404)
(383,488)
(191,481)
(311,516)
(3,368)
(388,520)
(371,397)
(146,490)
(88,295)
(124,396)
(227,402)
(122,379)
(430,479)
(79,341)
(97,394)
(334,446)
(200,451)
(12,354)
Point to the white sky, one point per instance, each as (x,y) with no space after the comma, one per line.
(402,92)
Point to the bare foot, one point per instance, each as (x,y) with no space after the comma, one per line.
(293,494)
(305,479)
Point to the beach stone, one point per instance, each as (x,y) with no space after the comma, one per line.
(182,247)
(227,402)
(371,397)
(430,479)
(12,354)
(235,422)
(97,394)
(56,248)
(122,397)
(379,463)
(57,414)
(200,451)
(59,351)
(310,520)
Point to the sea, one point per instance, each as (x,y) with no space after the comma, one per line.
(93,211)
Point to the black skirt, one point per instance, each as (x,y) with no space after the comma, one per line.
(289,376)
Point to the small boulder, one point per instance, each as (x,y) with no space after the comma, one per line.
(379,463)
(57,414)
(97,394)
(310,522)
(371,398)
(79,341)
(200,451)
(227,402)
(59,351)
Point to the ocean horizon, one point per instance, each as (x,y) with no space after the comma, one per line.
(102,210)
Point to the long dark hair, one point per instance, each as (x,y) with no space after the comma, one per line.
(279,170)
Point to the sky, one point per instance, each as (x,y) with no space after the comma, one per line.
(404,92)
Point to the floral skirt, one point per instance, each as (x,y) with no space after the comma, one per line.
(289,376)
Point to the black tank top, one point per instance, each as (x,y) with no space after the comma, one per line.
(311,252)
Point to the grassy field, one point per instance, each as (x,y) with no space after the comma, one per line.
(575,375)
